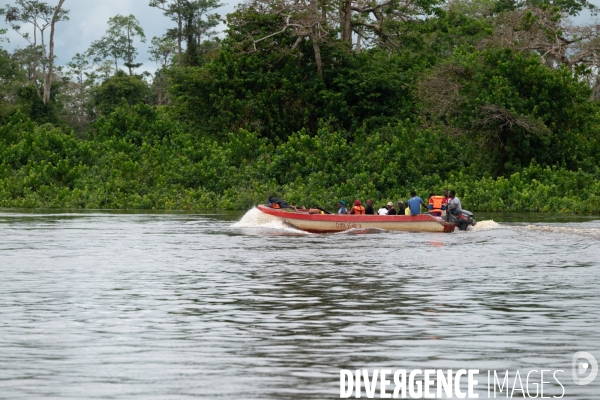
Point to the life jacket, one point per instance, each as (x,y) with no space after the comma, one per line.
(276,205)
(436,202)
(358,209)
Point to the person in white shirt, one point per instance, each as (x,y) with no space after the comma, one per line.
(454,206)
(382,211)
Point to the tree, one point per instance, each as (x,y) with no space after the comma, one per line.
(547,33)
(571,7)
(377,23)
(117,44)
(511,106)
(81,78)
(194,23)
(174,10)
(41,15)
(48,81)
(3,32)
(12,76)
(297,20)
(162,50)
(203,22)
(118,89)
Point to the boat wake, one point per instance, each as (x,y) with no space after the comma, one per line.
(360,231)
(254,218)
(593,232)
(488,225)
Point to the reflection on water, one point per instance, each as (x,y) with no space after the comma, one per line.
(174,306)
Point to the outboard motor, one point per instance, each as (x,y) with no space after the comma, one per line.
(463,220)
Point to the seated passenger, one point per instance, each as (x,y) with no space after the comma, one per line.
(414,203)
(369,208)
(278,203)
(341,205)
(454,206)
(358,208)
(382,211)
(436,205)
(391,209)
(400,210)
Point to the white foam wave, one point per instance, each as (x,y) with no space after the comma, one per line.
(255,218)
(488,225)
(564,230)
(361,231)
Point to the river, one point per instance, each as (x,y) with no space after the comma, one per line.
(108,305)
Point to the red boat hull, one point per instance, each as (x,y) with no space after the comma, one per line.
(323,223)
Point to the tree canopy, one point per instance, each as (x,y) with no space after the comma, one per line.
(313,100)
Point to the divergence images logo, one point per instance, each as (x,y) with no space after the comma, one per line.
(582,360)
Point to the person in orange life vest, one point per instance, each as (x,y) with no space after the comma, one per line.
(436,205)
(358,208)
(278,203)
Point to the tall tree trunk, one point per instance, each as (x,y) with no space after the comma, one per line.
(317,50)
(34,63)
(42,34)
(191,51)
(179,35)
(48,83)
(129,57)
(346,21)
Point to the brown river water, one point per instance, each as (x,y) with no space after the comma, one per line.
(108,305)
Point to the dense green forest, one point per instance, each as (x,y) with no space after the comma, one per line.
(311,101)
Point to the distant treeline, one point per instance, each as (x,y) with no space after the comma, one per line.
(311,102)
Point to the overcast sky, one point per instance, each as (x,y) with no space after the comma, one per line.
(88,22)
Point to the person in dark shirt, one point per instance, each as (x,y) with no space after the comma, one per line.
(369,208)
(401,209)
(278,203)
(391,209)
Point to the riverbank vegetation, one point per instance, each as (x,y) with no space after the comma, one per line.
(311,102)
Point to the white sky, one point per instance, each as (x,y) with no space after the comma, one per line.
(88,22)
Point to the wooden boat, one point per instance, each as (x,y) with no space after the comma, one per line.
(323,223)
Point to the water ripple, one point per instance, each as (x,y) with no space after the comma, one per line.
(125,306)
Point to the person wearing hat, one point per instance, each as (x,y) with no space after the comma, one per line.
(401,210)
(391,209)
(342,207)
